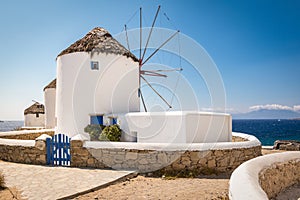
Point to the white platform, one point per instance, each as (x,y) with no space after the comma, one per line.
(176,127)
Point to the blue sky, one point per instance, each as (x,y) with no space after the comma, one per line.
(255,44)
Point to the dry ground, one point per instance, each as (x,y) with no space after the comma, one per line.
(209,187)
(205,187)
(9,194)
(141,187)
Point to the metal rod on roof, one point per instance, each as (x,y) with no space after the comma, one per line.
(156,92)
(145,108)
(127,38)
(35,101)
(149,36)
(160,47)
(140,61)
(140,33)
(166,70)
(151,73)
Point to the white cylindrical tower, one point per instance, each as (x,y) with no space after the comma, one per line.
(50,98)
(96,76)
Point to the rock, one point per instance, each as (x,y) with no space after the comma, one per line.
(131,156)
(288,145)
(162,158)
(211,164)
(90,161)
(143,161)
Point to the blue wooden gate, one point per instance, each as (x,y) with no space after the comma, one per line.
(58,150)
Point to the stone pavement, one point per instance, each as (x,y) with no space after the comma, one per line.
(42,182)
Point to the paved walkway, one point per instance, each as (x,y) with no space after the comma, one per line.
(42,182)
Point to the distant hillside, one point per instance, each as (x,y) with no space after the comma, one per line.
(268,114)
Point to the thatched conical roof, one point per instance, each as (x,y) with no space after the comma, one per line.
(98,40)
(35,108)
(51,85)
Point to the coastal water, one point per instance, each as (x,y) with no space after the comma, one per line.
(268,131)
(10,125)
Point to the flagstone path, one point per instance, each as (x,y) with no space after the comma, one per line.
(43,182)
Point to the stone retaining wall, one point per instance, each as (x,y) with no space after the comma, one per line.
(209,158)
(81,157)
(143,157)
(265,176)
(23,151)
(279,176)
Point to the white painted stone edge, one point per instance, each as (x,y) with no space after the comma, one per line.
(244,181)
(79,137)
(13,142)
(43,137)
(252,142)
(10,133)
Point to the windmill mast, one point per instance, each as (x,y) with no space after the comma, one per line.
(142,61)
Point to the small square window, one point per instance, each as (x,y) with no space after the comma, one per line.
(98,119)
(37,115)
(94,65)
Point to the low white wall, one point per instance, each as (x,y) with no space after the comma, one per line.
(171,158)
(252,142)
(32,120)
(23,132)
(13,142)
(244,182)
(177,127)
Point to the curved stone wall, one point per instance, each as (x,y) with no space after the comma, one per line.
(148,157)
(143,157)
(264,177)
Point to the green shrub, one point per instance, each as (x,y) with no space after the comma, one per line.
(94,130)
(111,133)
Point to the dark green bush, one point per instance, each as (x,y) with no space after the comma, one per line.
(94,130)
(111,133)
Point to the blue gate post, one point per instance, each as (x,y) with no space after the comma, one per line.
(49,151)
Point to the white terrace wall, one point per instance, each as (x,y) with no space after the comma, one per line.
(148,157)
(177,127)
(264,177)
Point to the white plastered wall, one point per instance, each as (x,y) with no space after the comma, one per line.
(32,121)
(82,92)
(50,99)
(177,127)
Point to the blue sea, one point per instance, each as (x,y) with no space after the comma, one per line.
(10,125)
(268,131)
